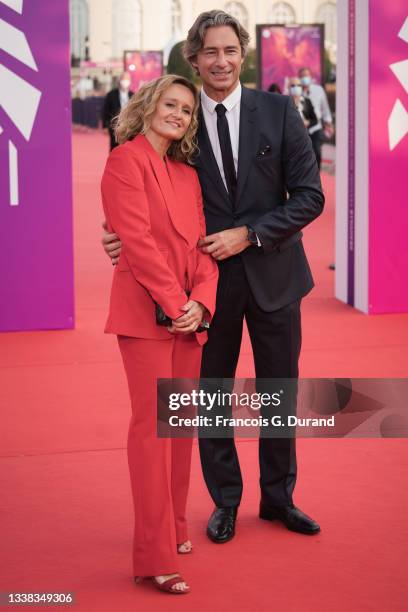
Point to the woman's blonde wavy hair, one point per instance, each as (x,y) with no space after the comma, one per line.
(135,118)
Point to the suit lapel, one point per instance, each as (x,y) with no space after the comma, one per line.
(206,158)
(168,184)
(248,138)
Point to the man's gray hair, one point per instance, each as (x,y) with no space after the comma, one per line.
(212,19)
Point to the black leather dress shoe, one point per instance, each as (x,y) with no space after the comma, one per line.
(221,526)
(293,518)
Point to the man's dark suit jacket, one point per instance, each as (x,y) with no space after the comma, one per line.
(111,107)
(278,193)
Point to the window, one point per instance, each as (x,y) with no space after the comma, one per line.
(281,12)
(175,17)
(126,26)
(79,28)
(327,14)
(239,11)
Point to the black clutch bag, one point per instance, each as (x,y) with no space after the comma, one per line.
(163,319)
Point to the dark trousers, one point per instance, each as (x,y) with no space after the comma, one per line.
(276,340)
(317,142)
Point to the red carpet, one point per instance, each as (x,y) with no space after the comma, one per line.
(66,513)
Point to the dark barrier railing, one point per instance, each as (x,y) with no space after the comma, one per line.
(87,112)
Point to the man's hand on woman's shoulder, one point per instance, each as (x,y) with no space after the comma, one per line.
(111,244)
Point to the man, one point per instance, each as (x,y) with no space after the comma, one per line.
(253,150)
(304,105)
(115,100)
(318,98)
(84,86)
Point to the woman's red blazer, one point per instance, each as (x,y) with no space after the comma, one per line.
(155,207)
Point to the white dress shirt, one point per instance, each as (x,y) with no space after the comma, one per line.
(318,98)
(233,105)
(123,97)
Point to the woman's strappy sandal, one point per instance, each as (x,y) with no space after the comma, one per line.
(168,585)
(185,552)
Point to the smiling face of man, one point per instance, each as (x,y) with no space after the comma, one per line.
(219,62)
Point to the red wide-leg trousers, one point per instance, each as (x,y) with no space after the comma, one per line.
(159,467)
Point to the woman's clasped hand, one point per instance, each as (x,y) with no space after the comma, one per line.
(190,321)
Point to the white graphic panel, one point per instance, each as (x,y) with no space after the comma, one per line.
(19,99)
(400,69)
(13,173)
(16,5)
(403,33)
(397,124)
(14,42)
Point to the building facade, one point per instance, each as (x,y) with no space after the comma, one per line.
(102,29)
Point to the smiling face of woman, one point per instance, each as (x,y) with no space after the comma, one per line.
(173,114)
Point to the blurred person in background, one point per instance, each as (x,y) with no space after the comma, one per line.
(115,100)
(84,86)
(106,81)
(324,125)
(274,88)
(304,105)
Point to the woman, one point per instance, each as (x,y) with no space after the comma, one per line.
(152,200)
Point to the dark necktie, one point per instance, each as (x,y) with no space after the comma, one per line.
(226,150)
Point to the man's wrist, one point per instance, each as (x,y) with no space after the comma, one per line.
(252,236)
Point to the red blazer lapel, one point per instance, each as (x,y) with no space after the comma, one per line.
(172,189)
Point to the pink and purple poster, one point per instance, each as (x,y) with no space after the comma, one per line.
(35,166)
(371,156)
(283,50)
(388,156)
(143,66)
